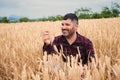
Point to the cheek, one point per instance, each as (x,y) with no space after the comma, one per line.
(76,28)
(72,28)
(65,27)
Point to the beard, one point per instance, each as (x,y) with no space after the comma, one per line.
(68,33)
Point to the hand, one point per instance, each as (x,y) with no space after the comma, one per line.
(46,37)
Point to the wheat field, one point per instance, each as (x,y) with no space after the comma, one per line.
(22,58)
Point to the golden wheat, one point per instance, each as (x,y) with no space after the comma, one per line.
(21,56)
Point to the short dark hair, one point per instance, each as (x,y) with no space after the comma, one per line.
(71,16)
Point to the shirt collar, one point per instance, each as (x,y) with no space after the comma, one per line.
(78,39)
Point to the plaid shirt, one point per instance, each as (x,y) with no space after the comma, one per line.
(82,43)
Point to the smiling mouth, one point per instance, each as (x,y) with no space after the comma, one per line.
(64,30)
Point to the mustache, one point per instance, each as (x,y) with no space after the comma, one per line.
(65,30)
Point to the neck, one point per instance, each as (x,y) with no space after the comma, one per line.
(72,38)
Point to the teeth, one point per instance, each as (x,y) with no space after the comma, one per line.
(65,30)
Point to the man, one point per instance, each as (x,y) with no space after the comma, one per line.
(70,40)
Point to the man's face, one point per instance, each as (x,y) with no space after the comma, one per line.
(68,28)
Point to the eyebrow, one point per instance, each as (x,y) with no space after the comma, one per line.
(65,24)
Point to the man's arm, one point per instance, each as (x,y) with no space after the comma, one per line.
(48,45)
(89,52)
(48,48)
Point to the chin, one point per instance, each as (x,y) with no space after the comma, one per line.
(66,35)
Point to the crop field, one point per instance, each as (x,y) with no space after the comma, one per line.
(22,58)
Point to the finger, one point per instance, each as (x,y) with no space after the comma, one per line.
(46,33)
(46,37)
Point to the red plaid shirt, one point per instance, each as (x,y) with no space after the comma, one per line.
(84,45)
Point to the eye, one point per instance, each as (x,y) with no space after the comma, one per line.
(67,24)
(62,24)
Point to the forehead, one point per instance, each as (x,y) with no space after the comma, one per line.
(66,21)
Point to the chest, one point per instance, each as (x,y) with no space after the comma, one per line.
(72,49)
